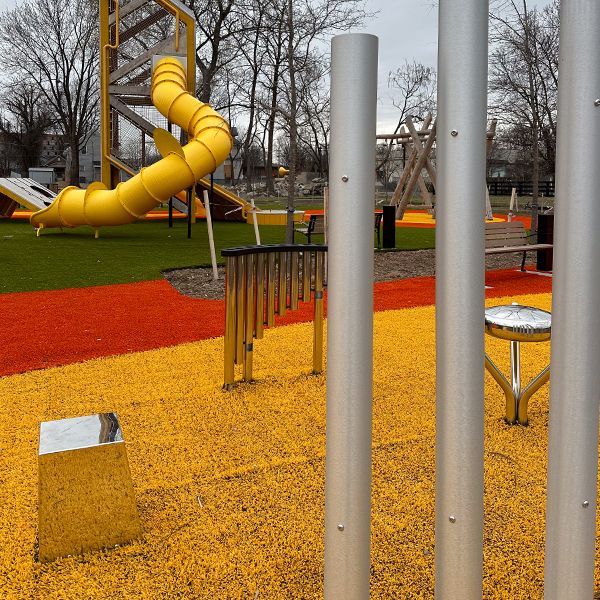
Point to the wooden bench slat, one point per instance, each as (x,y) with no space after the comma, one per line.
(505,242)
(510,236)
(525,248)
(505,225)
(502,231)
(506,236)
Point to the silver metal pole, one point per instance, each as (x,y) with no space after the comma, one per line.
(575,379)
(211,238)
(350,323)
(460,212)
(515,367)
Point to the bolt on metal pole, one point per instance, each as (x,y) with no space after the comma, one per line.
(575,353)
(350,323)
(460,212)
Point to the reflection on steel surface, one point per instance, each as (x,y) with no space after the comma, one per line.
(86,498)
(517,324)
(80,432)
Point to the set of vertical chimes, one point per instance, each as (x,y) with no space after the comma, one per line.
(264,281)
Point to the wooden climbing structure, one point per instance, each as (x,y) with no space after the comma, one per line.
(419,171)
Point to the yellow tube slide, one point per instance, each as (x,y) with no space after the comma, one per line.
(180,168)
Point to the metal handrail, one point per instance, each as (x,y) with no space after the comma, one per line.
(266,248)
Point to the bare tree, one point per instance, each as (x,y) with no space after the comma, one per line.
(313,129)
(253,64)
(221,23)
(307,22)
(256,58)
(524,79)
(413,87)
(53,46)
(273,42)
(26,120)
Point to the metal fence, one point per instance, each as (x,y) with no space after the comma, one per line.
(504,187)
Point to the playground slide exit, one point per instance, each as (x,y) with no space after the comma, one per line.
(179,169)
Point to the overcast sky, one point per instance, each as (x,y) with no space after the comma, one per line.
(406,29)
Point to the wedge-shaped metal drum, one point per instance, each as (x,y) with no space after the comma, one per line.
(86,498)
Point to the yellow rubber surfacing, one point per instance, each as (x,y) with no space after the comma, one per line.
(424,218)
(230,486)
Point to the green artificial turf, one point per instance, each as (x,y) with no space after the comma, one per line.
(136,252)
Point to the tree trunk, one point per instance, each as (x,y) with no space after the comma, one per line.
(289,231)
(250,132)
(531,58)
(72,172)
(271,137)
(271,121)
(205,87)
(535,182)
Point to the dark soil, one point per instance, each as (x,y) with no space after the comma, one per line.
(199,282)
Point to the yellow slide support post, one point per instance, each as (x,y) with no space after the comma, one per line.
(180,168)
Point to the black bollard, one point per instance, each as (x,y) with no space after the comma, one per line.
(545,235)
(389,226)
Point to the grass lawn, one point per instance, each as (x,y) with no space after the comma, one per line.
(129,253)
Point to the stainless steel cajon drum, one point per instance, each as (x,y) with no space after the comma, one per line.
(86,498)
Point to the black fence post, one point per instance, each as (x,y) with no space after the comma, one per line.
(191,207)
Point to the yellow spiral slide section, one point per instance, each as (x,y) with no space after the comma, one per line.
(180,168)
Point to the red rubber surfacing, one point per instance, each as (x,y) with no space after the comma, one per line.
(53,328)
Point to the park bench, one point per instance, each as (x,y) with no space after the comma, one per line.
(510,236)
(316,224)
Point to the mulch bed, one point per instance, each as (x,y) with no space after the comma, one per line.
(388,266)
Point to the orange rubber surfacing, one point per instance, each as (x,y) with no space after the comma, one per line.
(78,324)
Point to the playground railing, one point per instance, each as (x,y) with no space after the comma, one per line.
(264,281)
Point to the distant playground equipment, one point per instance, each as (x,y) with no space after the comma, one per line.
(256,216)
(15,191)
(264,281)
(419,143)
(513,205)
(128,119)
(126,68)
(273,217)
(180,168)
(517,323)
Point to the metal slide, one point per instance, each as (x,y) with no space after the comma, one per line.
(180,168)
(22,190)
